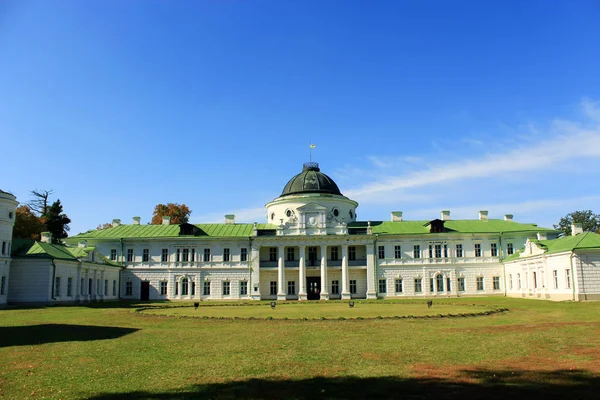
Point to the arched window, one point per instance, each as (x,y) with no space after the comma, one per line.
(440,283)
(184,287)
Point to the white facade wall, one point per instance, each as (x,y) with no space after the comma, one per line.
(30,281)
(8,205)
(587,271)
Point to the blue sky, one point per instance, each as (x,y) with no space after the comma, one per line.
(416,106)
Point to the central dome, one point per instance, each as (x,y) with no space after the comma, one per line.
(311,180)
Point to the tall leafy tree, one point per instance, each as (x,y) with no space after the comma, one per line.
(27,224)
(179,213)
(57,222)
(588,220)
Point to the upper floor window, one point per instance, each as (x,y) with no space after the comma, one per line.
(416,251)
(477,249)
(381,252)
(226,254)
(334,253)
(129,255)
(164,255)
(206,257)
(113,254)
(291,253)
(494,248)
(351,253)
(185,255)
(397,252)
(145,255)
(459,251)
(244,254)
(272,253)
(509,248)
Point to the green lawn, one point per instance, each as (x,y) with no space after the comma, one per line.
(536,348)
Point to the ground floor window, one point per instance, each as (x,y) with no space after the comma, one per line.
(398,285)
(128,288)
(3,285)
(105,287)
(440,283)
(480,283)
(555,277)
(81,291)
(418,285)
(193,288)
(510,282)
(163,288)
(226,288)
(448,285)
(431,288)
(382,288)
(291,287)
(69,286)
(91,283)
(353,286)
(184,287)
(206,288)
(243,287)
(114,287)
(568,278)
(461,284)
(335,287)
(496,282)
(273,288)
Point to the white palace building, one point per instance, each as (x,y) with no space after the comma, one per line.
(311,248)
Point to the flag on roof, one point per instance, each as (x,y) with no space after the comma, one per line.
(312,145)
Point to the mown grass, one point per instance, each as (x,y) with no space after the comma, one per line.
(109,351)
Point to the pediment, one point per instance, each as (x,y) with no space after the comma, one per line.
(532,249)
(312,207)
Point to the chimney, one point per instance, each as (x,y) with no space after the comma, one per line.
(136,220)
(166,220)
(369,229)
(255,230)
(396,216)
(116,222)
(445,215)
(542,236)
(82,243)
(230,219)
(508,217)
(576,229)
(46,237)
(483,215)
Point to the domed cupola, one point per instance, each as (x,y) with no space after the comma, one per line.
(310,180)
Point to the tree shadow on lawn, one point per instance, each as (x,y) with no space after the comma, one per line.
(471,384)
(51,333)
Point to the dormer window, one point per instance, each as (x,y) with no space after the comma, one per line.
(436,226)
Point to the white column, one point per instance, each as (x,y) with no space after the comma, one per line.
(371,293)
(324,291)
(255,275)
(281,292)
(302,273)
(345,277)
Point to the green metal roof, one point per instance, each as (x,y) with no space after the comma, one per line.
(165,231)
(34,249)
(452,226)
(587,240)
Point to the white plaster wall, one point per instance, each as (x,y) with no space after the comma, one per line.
(30,281)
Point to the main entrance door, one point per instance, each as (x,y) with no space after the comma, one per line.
(313,288)
(145,291)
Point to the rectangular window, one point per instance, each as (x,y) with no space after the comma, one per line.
(459,252)
(3,285)
(291,254)
(480,283)
(226,254)
(206,257)
(353,286)
(177,255)
(416,251)
(106,287)
(57,286)
(291,287)
(555,278)
(448,285)
(145,255)
(129,255)
(3,248)
(534,280)
(397,252)
(445,251)
(163,288)
(69,286)
(114,288)
(335,287)
(226,288)
(312,255)
(496,282)
(272,253)
(206,288)
(185,255)
(81,291)
(113,254)
(494,248)
(128,288)
(568,278)
(273,288)
(381,252)
(243,288)
(382,286)
(335,253)
(243,254)
(510,281)
(431,288)
(438,251)
(351,253)
(90,283)
(477,249)
(98,288)
(399,286)
(193,255)
(418,285)
(430,251)
(518,281)
(509,248)
(461,284)
(164,255)
(193,288)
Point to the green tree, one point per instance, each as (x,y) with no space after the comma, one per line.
(57,222)
(179,213)
(589,221)
(27,224)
